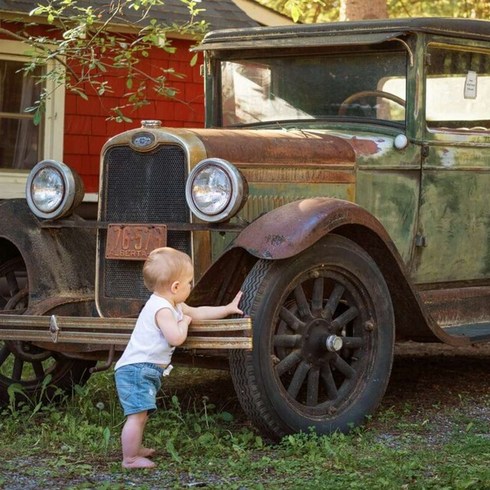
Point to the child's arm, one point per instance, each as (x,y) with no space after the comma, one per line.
(213,312)
(174,332)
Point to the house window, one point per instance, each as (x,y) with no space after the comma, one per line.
(22,143)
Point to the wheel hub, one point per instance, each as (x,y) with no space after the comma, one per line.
(320,341)
(334,343)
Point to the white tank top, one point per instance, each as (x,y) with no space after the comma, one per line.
(147,343)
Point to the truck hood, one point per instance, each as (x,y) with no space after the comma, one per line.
(277,147)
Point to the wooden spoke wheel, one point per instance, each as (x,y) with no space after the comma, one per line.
(323,340)
(34,371)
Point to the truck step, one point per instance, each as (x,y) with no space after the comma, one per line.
(475,332)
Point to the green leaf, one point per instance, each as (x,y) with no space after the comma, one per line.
(13,389)
(47,380)
(226,416)
(101,66)
(172,451)
(295,13)
(37,11)
(106,434)
(37,118)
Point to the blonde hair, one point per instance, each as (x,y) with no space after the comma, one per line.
(164,266)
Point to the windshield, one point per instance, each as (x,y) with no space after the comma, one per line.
(274,89)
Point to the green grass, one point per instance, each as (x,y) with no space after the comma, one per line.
(205,439)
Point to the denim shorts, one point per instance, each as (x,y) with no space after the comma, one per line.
(137,387)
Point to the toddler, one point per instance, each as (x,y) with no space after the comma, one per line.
(161,326)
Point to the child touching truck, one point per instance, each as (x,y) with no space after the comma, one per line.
(161,326)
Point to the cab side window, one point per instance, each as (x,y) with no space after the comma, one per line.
(458,89)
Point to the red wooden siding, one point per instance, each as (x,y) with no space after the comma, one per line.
(86,124)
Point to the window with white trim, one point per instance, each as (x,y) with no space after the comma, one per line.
(22,143)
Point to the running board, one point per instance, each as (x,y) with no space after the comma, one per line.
(474,332)
(234,333)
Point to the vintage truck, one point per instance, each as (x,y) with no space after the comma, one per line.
(341,182)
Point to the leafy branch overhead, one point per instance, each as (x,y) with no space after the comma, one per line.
(87,41)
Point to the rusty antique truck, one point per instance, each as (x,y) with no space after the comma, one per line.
(341,182)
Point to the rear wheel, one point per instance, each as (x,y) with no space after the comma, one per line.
(35,371)
(323,340)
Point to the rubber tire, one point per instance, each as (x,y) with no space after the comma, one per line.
(266,288)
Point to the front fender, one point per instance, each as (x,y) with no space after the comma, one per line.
(60,262)
(281,233)
(292,228)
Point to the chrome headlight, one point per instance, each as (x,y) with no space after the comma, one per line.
(215,190)
(53,189)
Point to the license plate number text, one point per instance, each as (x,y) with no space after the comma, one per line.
(134,242)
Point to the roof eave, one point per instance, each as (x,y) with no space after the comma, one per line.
(23,18)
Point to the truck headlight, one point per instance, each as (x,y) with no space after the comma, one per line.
(53,189)
(215,190)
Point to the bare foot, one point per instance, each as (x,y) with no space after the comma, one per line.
(138,462)
(146,452)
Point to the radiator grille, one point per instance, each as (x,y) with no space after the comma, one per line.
(141,188)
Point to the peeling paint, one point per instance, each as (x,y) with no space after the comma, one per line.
(447,158)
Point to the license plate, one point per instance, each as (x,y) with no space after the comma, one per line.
(134,242)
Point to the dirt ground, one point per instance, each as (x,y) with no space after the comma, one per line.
(433,379)
(428,381)
(438,372)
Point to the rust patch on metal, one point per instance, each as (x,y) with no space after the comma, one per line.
(134,241)
(296,148)
(265,173)
(276,240)
(206,334)
(458,304)
(364,146)
(287,230)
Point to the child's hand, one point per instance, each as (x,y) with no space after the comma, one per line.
(186,319)
(233,306)
(213,312)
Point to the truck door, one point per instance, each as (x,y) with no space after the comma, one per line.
(453,242)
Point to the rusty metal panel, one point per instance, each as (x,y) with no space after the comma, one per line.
(288,230)
(134,241)
(268,147)
(54,269)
